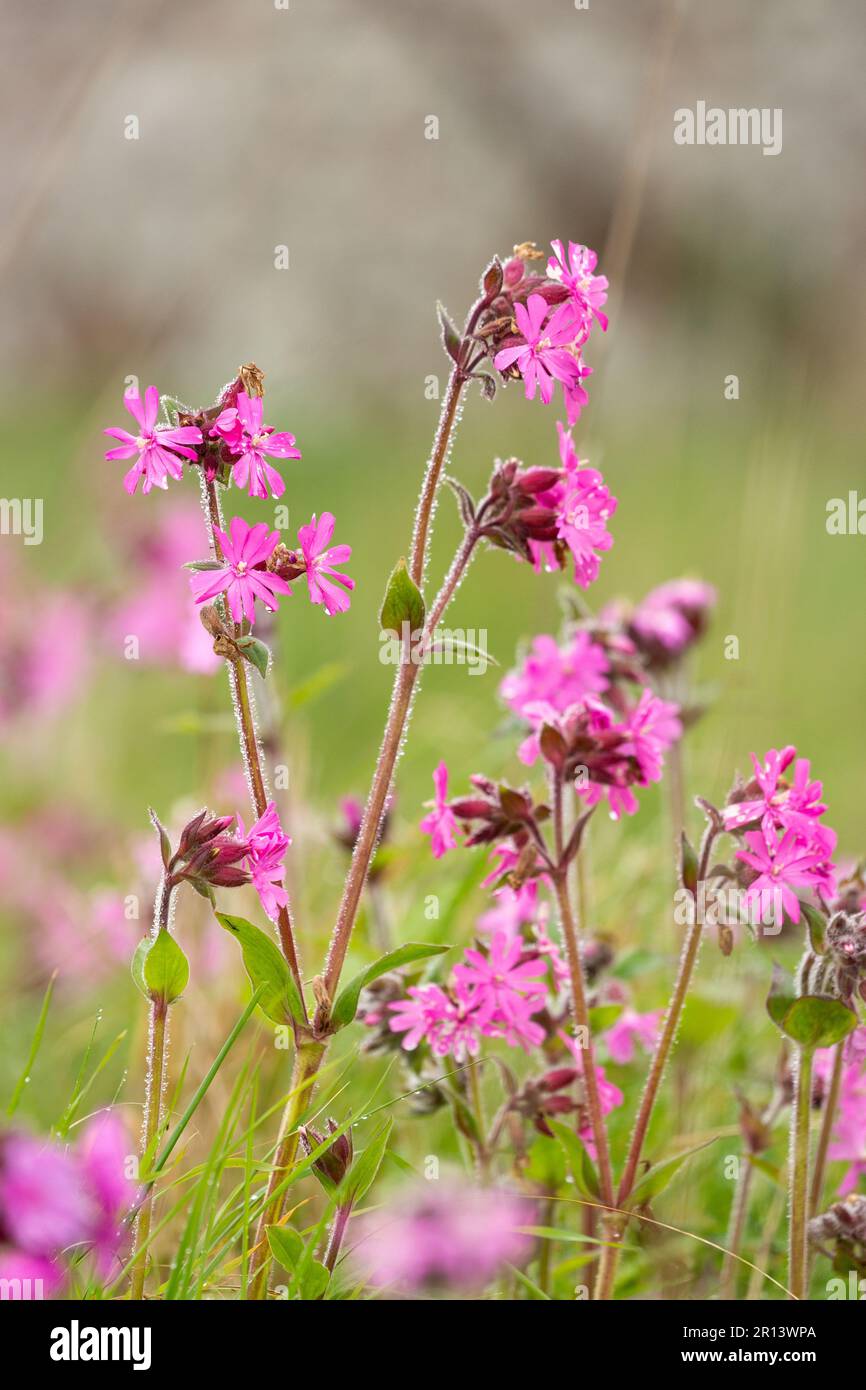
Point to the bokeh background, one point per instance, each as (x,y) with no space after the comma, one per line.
(305,127)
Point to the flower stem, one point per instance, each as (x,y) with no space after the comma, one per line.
(736,1227)
(242,702)
(798,1176)
(338,1230)
(395,729)
(154,1086)
(308,1061)
(828,1120)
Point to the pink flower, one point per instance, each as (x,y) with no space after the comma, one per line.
(560,676)
(444,1235)
(157,610)
(104,1151)
(671,618)
(430,1015)
(45,1206)
(588,292)
(242,577)
(159,450)
(783,804)
(609,1095)
(267,845)
(629,1028)
(849,1136)
(544,355)
(583,512)
(244,434)
(781,866)
(33,1276)
(503,989)
(441,823)
(323,578)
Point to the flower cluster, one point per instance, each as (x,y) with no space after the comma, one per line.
(59,1205)
(537,326)
(231,444)
(787,849)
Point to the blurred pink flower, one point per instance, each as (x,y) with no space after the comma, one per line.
(45,1205)
(559,675)
(849,1135)
(629,1028)
(159,450)
(157,610)
(444,1235)
(323,578)
(441,822)
(242,577)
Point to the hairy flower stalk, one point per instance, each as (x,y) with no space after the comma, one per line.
(798,1175)
(828,1120)
(242,703)
(155,1072)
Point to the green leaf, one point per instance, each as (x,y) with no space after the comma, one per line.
(346,1005)
(159,968)
(280,1001)
(34,1049)
(781,995)
(451,339)
(813,1021)
(579,1161)
(402,603)
(658,1177)
(313,1281)
(531,1288)
(816,923)
(546,1163)
(256,653)
(365,1168)
(201,565)
(286,1245)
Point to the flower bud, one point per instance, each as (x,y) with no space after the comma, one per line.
(334,1163)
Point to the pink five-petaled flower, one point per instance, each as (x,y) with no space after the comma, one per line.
(781,866)
(796,806)
(430,1015)
(244,434)
(575,271)
(266,850)
(242,577)
(544,355)
(503,989)
(323,578)
(441,823)
(159,450)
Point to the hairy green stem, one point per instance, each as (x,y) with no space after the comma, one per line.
(308,1061)
(798,1176)
(828,1120)
(250,750)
